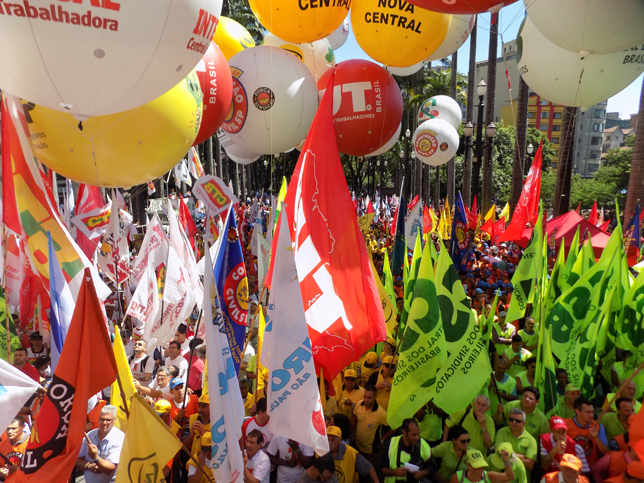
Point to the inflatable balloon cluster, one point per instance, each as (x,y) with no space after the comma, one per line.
(435,140)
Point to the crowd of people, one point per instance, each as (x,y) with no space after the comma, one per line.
(503,436)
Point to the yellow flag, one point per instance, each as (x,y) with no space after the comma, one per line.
(491,213)
(506,212)
(148,446)
(126,380)
(261,327)
(365,221)
(388,307)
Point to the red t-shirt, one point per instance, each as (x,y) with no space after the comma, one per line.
(31,371)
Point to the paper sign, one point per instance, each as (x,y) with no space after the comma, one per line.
(214,193)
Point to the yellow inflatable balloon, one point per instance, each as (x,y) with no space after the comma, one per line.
(232,37)
(301,21)
(123,149)
(397,33)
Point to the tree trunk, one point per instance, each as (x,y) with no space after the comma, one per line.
(518,165)
(636,178)
(469,116)
(486,201)
(426,188)
(561,203)
(209,167)
(451,172)
(437,189)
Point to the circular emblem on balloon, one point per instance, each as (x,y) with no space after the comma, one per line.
(367,106)
(435,142)
(441,107)
(236,288)
(274,119)
(98,58)
(463,7)
(123,149)
(300,21)
(566,78)
(397,33)
(217,87)
(232,37)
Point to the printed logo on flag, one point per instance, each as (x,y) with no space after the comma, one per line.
(143,469)
(214,193)
(462,235)
(236,293)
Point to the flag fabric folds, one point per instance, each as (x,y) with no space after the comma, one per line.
(86,366)
(461,247)
(400,241)
(148,446)
(125,375)
(15,389)
(61,306)
(12,337)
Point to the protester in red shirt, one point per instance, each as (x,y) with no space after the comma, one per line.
(20,363)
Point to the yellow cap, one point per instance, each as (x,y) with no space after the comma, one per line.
(205,398)
(475,459)
(350,373)
(371,358)
(387,360)
(206,439)
(162,406)
(334,431)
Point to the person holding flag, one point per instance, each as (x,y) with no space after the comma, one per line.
(101,449)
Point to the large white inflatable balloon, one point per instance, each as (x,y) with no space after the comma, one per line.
(93,58)
(592,26)
(317,56)
(405,71)
(237,153)
(441,107)
(457,33)
(274,100)
(564,77)
(340,35)
(435,142)
(388,145)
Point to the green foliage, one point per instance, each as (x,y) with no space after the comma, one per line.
(240,11)
(534,137)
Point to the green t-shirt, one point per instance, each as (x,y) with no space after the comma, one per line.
(563,411)
(523,376)
(520,471)
(525,444)
(473,427)
(508,385)
(504,334)
(529,339)
(536,423)
(612,425)
(518,365)
(445,451)
(431,427)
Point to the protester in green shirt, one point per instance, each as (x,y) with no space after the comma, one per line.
(527,377)
(496,463)
(506,385)
(452,453)
(502,333)
(565,406)
(523,444)
(536,422)
(430,421)
(617,423)
(515,356)
(478,424)
(529,335)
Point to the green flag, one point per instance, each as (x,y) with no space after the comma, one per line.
(584,262)
(488,322)
(11,338)
(555,284)
(528,273)
(545,378)
(280,199)
(388,281)
(410,282)
(422,351)
(573,253)
(467,366)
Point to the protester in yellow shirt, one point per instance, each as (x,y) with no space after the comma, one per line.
(351,393)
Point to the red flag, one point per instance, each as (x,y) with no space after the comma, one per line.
(9,207)
(428,223)
(392,228)
(488,226)
(527,208)
(48,183)
(498,228)
(578,209)
(342,305)
(472,219)
(605,225)
(185,219)
(86,366)
(89,199)
(593,215)
(370,208)
(412,204)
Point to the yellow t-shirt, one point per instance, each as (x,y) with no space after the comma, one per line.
(331,407)
(354,397)
(368,424)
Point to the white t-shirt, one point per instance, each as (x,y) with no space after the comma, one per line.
(251,424)
(165,390)
(260,466)
(108,449)
(279,447)
(138,371)
(181,363)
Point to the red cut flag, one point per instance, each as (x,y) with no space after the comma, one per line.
(498,228)
(428,224)
(412,204)
(370,208)
(89,198)
(593,215)
(472,219)
(185,220)
(10,215)
(341,301)
(86,366)
(392,229)
(527,208)
(488,226)
(578,209)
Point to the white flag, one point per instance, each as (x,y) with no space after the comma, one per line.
(226,404)
(181,172)
(145,301)
(414,223)
(293,395)
(15,389)
(154,250)
(263,259)
(113,249)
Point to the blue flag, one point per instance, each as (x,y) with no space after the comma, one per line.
(62,305)
(232,285)
(461,247)
(400,242)
(633,232)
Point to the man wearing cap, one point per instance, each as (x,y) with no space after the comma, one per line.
(522,442)
(194,474)
(351,393)
(613,464)
(557,443)
(198,425)
(586,432)
(476,421)
(368,367)
(476,472)
(634,474)
(407,457)
(162,408)
(37,348)
(565,407)
(569,473)
(368,418)
(536,422)
(180,408)
(617,423)
(347,460)
(502,333)
(495,462)
(515,356)
(384,380)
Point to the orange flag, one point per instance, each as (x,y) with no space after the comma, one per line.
(86,366)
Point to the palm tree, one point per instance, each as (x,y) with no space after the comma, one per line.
(636,178)
(561,202)
(519,147)
(469,112)
(240,11)
(486,198)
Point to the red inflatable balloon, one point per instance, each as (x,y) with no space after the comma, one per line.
(367,106)
(462,7)
(217,86)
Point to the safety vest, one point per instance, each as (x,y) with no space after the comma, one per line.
(425,453)
(554,478)
(346,467)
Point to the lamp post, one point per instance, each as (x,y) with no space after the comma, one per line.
(478,154)
(486,195)
(407,188)
(528,163)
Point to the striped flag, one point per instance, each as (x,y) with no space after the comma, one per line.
(62,305)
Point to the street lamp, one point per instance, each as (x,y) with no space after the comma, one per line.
(528,163)
(480,90)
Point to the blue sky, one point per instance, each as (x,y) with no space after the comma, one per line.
(626,102)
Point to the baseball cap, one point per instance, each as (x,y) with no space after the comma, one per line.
(509,286)
(572,387)
(334,431)
(469,275)
(497,459)
(177,381)
(371,358)
(350,373)
(635,469)
(476,459)
(570,461)
(503,313)
(557,423)
(35,335)
(478,290)
(204,399)
(162,406)
(206,439)
(387,359)
(392,341)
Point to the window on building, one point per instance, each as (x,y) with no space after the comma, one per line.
(556,127)
(543,127)
(555,140)
(595,141)
(544,102)
(594,154)
(557,115)
(531,115)
(598,127)
(545,115)
(593,167)
(601,113)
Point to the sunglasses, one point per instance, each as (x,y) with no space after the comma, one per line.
(464,441)
(518,421)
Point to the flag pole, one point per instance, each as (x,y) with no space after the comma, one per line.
(192,354)
(196,462)
(125,408)
(4,278)
(624,384)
